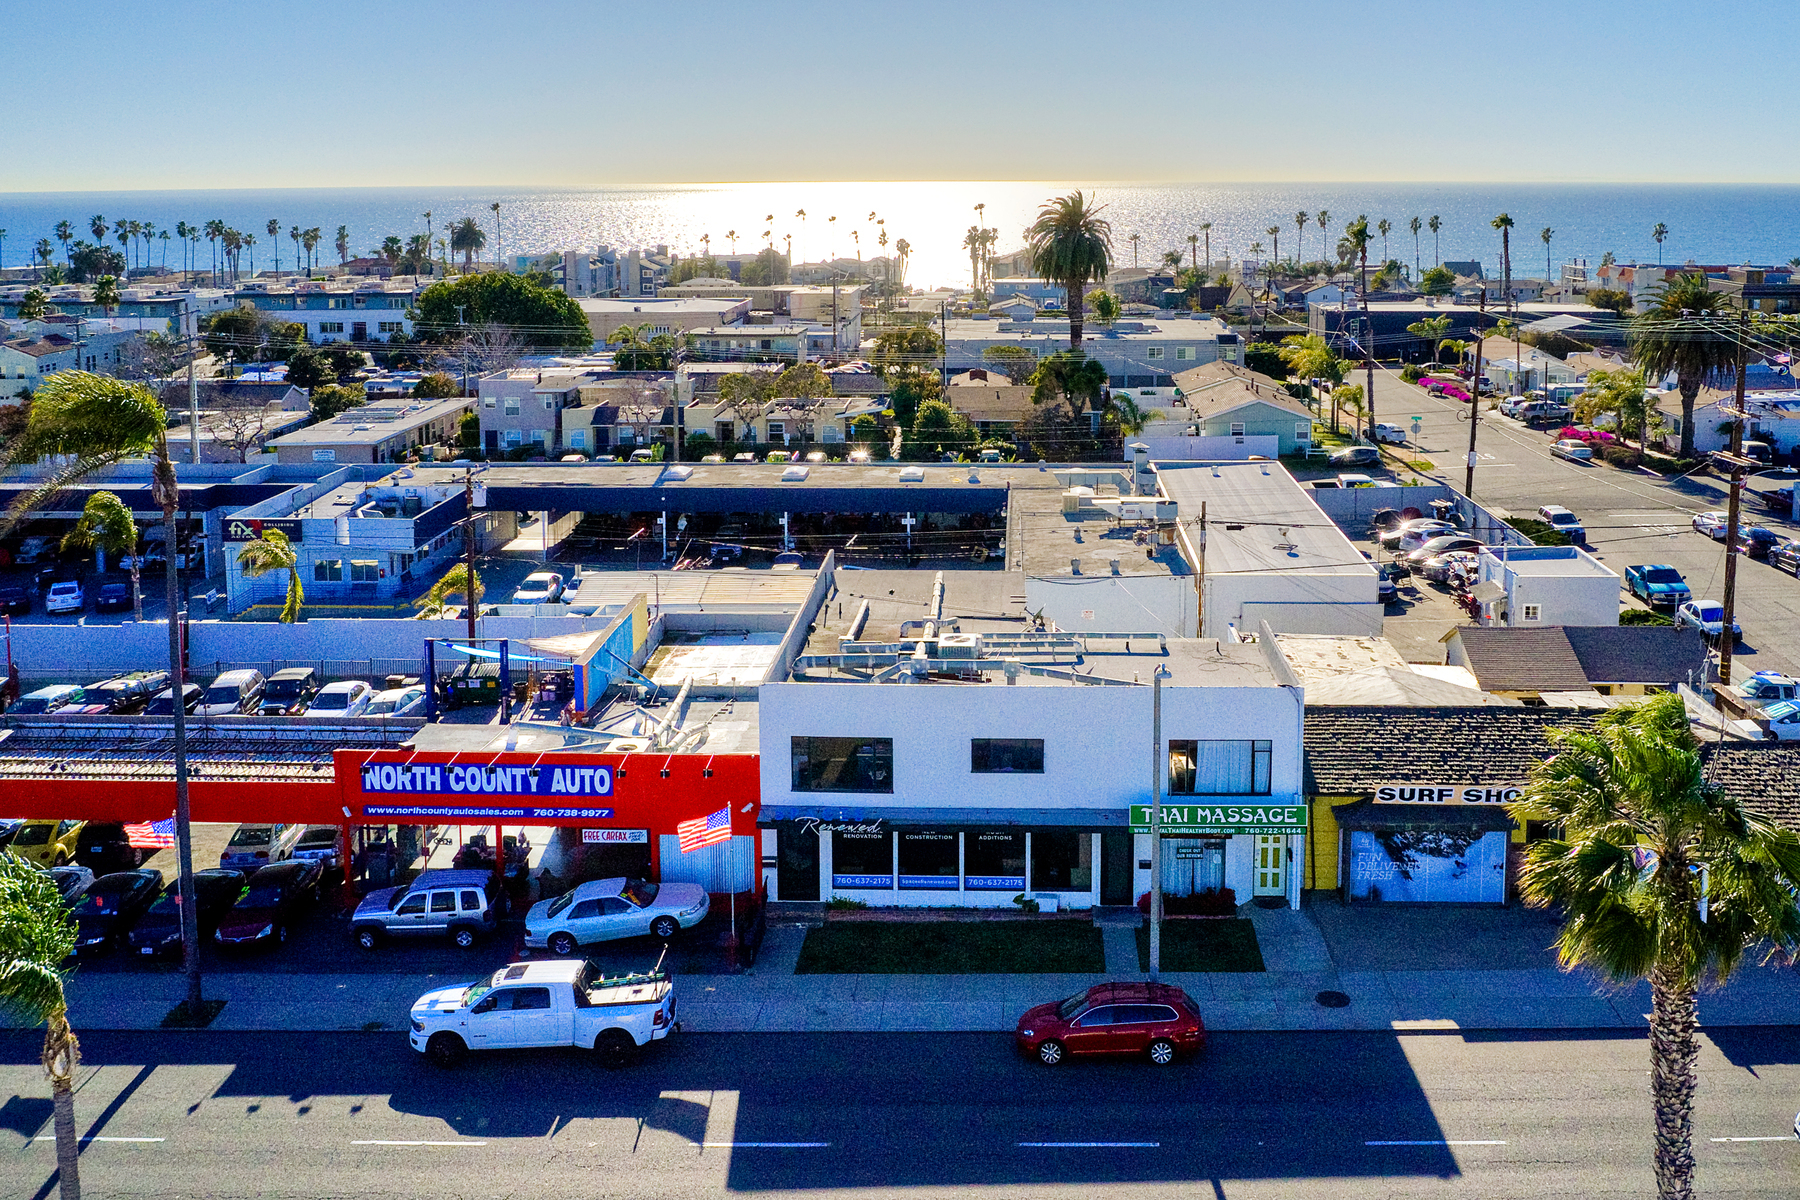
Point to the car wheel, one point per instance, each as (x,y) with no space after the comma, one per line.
(615,1048)
(368,938)
(445,1050)
(562,944)
(1162,1052)
(464,938)
(664,927)
(1050,1052)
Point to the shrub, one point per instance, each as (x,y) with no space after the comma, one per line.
(1540,532)
(1620,456)
(1213,902)
(1643,616)
(845,904)
(1412,373)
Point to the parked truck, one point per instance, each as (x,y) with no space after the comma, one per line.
(556,1003)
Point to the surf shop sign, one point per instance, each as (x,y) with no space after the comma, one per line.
(1187,820)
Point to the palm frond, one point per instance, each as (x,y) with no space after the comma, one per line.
(61,479)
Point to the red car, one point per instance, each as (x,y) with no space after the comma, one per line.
(1152,1019)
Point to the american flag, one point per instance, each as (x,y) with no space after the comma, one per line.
(152,835)
(702,832)
(1784,359)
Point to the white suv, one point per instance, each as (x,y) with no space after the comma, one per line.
(65,598)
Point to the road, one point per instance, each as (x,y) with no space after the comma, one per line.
(1630,516)
(1311,1115)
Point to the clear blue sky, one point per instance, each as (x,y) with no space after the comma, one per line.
(322,93)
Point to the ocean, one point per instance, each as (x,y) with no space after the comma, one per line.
(1725,223)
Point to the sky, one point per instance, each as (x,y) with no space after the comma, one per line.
(323,93)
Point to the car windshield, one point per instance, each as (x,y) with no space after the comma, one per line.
(1562,518)
(32,835)
(639,893)
(1712,612)
(1663,575)
(476,991)
(167,904)
(332,700)
(560,903)
(260,897)
(38,704)
(284,689)
(97,901)
(250,835)
(1071,1006)
(163,704)
(226,694)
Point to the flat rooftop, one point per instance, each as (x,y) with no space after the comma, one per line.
(730,727)
(1042,538)
(374,422)
(1258,519)
(1549,561)
(720,590)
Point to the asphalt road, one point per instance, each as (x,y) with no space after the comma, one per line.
(1630,516)
(1261,1115)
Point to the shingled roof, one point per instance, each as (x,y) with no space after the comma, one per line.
(1521,660)
(1353,749)
(1658,654)
(1763,776)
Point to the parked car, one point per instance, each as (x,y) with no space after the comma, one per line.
(1757,542)
(1787,557)
(397,702)
(110,906)
(113,597)
(235,691)
(322,844)
(1441,568)
(1356,456)
(545,1004)
(1414,534)
(46,843)
(1155,1020)
(1385,591)
(47,700)
(71,880)
(540,587)
(34,549)
(1390,433)
(255,846)
(1573,449)
(1443,545)
(1766,687)
(1781,723)
(105,846)
(65,596)
(1657,584)
(15,601)
(460,905)
(159,931)
(163,703)
(122,695)
(288,691)
(1712,524)
(1708,616)
(1779,501)
(603,910)
(1563,521)
(346,698)
(272,900)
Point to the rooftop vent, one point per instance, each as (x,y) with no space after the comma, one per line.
(795,474)
(677,472)
(912,474)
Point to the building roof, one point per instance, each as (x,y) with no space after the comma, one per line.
(1354,749)
(1217,401)
(1658,654)
(1259,519)
(986,403)
(374,423)
(1521,660)
(1763,776)
(1220,372)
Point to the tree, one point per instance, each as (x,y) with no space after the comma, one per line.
(87,423)
(273,552)
(1504,224)
(1055,432)
(542,318)
(237,331)
(455,582)
(1106,305)
(1660,233)
(1614,299)
(1622,392)
(1015,362)
(938,429)
(973,242)
(1434,225)
(1660,877)
(910,388)
(1310,357)
(1072,377)
(1131,418)
(106,524)
(37,934)
(1358,235)
(438,386)
(806,380)
(907,346)
(1433,330)
(1265,359)
(343,244)
(1069,244)
(1680,332)
(1384,227)
(240,424)
(468,430)
(1439,281)
(1547,234)
(310,368)
(1415,224)
(34,304)
(330,400)
(1300,219)
(1172,260)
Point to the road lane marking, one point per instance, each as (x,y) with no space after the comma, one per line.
(1780,1138)
(1091,1145)
(1437,1142)
(51,1137)
(764,1145)
(384,1142)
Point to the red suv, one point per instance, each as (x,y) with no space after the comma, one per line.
(1153,1019)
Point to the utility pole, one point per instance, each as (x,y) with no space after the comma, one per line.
(1738,463)
(193,400)
(1156,770)
(469,550)
(1475,400)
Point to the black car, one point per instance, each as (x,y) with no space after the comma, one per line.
(273,900)
(288,692)
(1356,456)
(15,601)
(163,703)
(113,597)
(111,906)
(71,883)
(160,929)
(1756,542)
(105,847)
(126,693)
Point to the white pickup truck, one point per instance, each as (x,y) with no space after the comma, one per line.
(557,1003)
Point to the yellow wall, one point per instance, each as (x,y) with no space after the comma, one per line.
(1323,843)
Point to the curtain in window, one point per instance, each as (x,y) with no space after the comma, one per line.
(1222,768)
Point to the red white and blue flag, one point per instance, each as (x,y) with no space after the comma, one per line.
(702,832)
(152,835)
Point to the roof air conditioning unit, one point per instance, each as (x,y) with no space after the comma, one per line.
(959,645)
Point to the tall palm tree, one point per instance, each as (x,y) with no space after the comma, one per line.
(903,248)
(273,552)
(1434,225)
(1382,227)
(1547,234)
(1171,260)
(731,236)
(106,524)
(428,233)
(37,934)
(1434,330)
(1680,331)
(65,233)
(2,247)
(162,235)
(1310,356)
(1194,250)
(1274,232)
(1659,876)
(1323,218)
(1300,220)
(215,233)
(972,243)
(1206,232)
(45,251)
(495,209)
(122,235)
(1069,244)
(1504,224)
(311,239)
(274,230)
(1133,239)
(1659,233)
(85,424)
(106,294)
(342,245)
(294,236)
(467,239)
(1415,225)
(800,215)
(1359,237)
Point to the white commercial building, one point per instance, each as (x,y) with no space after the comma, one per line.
(1525,586)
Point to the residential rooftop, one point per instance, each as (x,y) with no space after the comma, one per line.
(373,422)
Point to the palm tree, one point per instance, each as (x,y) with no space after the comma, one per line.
(1274,232)
(45,251)
(1434,330)
(1132,419)
(972,243)
(106,294)
(250,244)
(33,305)
(1679,331)
(65,232)
(1171,260)
(455,582)
(1311,357)
(343,244)
(1358,235)
(215,233)
(2,247)
(1434,225)
(1382,227)
(731,236)
(1660,877)
(495,209)
(467,239)
(122,235)
(273,552)
(800,215)
(1070,243)
(1659,233)
(1133,239)
(36,935)
(1324,217)
(1415,225)
(1300,220)
(428,234)
(87,423)
(294,236)
(903,249)
(311,238)
(106,524)
(162,236)
(1504,224)
(1547,234)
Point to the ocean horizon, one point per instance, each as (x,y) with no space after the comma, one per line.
(1707,223)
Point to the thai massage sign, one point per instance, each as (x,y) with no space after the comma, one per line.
(1185,820)
(1438,793)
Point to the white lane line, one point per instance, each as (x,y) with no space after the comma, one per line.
(1781,1138)
(1091,1145)
(384,1142)
(764,1145)
(51,1137)
(1437,1142)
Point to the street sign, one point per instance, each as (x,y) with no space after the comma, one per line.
(251,529)
(1190,820)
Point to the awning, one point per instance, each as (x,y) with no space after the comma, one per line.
(1366,814)
(857,813)
(565,645)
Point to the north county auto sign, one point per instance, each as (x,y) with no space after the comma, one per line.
(251,529)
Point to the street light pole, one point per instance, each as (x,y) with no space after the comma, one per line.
(1738,464)
(1475,400)
(1156,776)
(469,550)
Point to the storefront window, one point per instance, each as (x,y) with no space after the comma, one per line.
(830,764)
(1062,860)
(1219,768)
(862,859)
(1192,865)
(994,861)
(928,860)
(1006,756)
